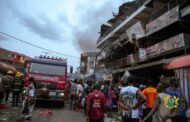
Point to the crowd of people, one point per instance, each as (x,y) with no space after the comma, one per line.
(147,102)
(135,101)
(13,83)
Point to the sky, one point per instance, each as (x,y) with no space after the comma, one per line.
(66,26)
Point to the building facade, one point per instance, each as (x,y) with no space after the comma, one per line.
(13,58)
(87,65)
(147,38)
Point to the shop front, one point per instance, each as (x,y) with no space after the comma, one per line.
(181,67)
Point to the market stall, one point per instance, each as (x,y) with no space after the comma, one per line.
(181,66)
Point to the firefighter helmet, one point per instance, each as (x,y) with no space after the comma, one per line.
(18,74)
(10,72)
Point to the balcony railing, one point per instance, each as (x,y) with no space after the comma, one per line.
(119,21)
(123,36)
(171,44)
(170,5)
(128,60)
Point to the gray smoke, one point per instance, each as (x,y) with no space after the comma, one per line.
(92,19)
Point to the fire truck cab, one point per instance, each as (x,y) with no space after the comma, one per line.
(50,75)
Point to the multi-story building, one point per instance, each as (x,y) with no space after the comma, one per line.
(13,58)
(148,38)
(87,64)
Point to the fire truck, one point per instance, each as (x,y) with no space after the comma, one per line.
(50,75)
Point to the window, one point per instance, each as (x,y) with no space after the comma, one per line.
(48,69)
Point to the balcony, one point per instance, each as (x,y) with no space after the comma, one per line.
(166,46)
(128,15)
(165,16)
(125,61)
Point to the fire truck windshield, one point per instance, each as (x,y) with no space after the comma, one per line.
(48,69)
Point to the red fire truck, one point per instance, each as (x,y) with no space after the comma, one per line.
(50,75)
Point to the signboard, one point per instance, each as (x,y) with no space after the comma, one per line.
(167,45)
(135,31)
(142,54)
(108,77)
(19,58)
(163,21)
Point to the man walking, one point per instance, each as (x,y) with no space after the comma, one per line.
(95,105)
(73,90)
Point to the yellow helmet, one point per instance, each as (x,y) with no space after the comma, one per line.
(10,72)
(18,74)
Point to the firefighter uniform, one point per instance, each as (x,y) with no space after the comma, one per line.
(8,79)
(17,87)
(2,90)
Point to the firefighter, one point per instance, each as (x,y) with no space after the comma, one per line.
(17,87)
(2,90)
(9,78)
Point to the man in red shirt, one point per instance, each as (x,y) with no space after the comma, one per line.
(95,105)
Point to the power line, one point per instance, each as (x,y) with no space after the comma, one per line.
(37,45)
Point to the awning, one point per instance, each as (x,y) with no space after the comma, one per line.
(178,62)
(5,68)
(163,61)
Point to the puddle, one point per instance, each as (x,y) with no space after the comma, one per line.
(4,116)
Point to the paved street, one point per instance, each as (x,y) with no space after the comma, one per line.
(46,113)
(119,59)
(9,115)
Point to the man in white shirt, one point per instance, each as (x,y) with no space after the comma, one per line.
(29,101)
(73,90)
(32,96)
(79,93)
(79,90)
(129,102)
